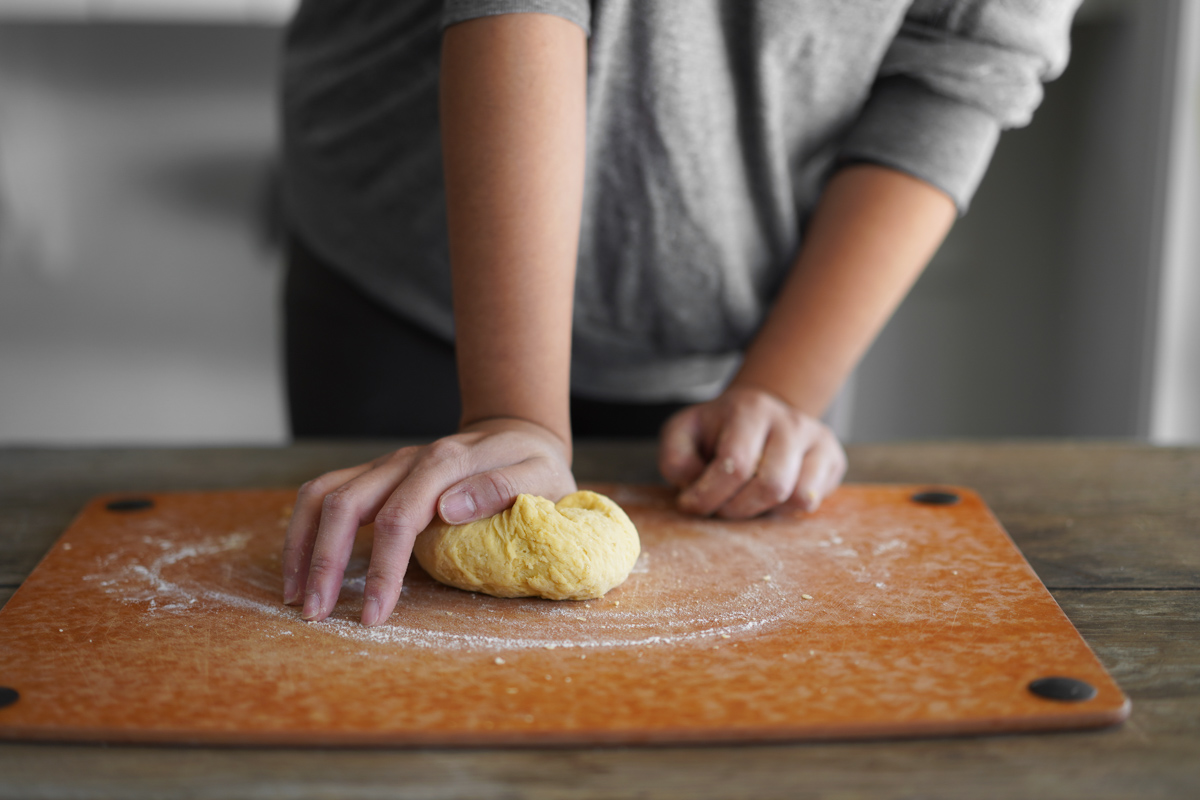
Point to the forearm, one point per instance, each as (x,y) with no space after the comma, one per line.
(873,232)
(513,120)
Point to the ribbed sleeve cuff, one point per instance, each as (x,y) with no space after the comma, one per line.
(577,11)
(910,128)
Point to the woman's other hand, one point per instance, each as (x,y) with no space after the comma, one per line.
(748,452)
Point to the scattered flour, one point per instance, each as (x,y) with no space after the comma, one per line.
(678,594)
(659,608)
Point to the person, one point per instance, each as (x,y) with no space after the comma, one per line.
(513,219)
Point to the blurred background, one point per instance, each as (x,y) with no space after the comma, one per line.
(140,262)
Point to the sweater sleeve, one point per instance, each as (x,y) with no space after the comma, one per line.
(577,11)
(956,74)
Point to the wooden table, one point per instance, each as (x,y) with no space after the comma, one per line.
(1112,529)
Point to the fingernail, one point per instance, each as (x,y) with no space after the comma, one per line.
(291,591)
(728,466)
(312,605)
(458,507)
(812,500)
(370,615)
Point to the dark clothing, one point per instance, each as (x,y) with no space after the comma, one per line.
(356,369)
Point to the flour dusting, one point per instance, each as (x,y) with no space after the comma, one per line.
(685,598)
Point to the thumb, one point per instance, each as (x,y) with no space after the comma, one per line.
(491,492)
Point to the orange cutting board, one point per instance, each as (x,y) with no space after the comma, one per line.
(161,621)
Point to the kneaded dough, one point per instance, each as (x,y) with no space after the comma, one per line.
(575,550)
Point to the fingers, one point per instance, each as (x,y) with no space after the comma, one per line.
(302,529)
(734,464)
(766,455)
(405,513)
(400,493)
(452,477)
(822,472)
(775,480)
(343,511)
(680,458)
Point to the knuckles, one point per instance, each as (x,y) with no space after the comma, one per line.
(379,580)
(773,490)
(446,451)
(339,502)
(322,564)
(400,456)
(809,428)
(314,490)
(394,523)
(293,550)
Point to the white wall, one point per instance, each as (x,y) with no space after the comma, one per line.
(273,11)
(1063,304)
(1175,410)
(137,297)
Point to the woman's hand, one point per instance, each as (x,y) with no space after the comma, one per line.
(464,477)
(753,448)
(748,452)
(513,119)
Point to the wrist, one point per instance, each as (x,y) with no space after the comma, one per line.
(532,390)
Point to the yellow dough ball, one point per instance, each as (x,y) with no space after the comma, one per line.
(576,549)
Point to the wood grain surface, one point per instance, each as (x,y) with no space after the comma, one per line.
(1135,603)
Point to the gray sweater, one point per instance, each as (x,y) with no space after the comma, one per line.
(712,127)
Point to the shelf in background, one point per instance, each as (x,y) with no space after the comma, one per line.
(251,11)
